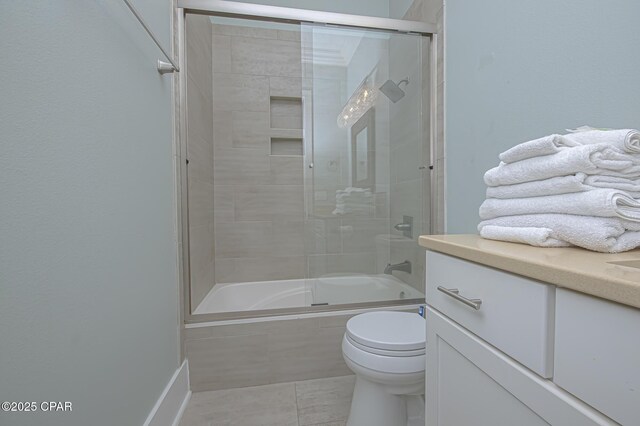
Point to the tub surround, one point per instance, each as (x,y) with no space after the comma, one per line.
(259,351)
(598,274)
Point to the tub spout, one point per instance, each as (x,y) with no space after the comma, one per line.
(404,267)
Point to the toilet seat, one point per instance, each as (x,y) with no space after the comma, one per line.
(386,341)
(388,331)
(385,352)
(395,365)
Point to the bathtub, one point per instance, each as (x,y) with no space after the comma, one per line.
(329,289)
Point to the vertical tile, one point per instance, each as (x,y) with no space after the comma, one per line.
(201,242)
(357,263)
(250,129)
(198,50)
(237,92)
(222,129)
(269,202)
(304,355)
(245,31)
(292,34)
(238,166)
(290,87)
(201,202)
(265,57)
(223,206)
(285,170)
(227,362)
(361,234)
(249,269)
(259,239)
(200,155)
(199,111)
(221,53)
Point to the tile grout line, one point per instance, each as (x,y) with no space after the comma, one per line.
(295,395)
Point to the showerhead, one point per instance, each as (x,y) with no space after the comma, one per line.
(392,90)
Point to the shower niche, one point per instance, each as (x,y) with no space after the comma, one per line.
(286,125)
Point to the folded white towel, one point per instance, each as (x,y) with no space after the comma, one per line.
(540,237)
(564,185)
(599,202)
(626,140)
(631,186)
(589,159)
(556,230)
(546,145)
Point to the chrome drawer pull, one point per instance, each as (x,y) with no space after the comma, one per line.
(455,293)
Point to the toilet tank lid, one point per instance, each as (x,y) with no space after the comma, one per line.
(388,330)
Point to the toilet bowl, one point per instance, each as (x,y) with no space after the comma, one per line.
(386,352)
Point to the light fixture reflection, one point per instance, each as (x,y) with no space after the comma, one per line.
(362,99)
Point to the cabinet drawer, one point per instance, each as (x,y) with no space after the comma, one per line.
(516,314)
(597,354)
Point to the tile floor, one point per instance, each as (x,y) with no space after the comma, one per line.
(319,402)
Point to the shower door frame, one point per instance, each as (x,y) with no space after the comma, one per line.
(257,12)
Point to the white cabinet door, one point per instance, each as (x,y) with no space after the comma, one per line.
(598,354)
(468,396)
(469,382)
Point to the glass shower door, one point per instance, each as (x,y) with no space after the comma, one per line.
(366,152)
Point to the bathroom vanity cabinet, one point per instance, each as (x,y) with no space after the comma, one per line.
(506,349)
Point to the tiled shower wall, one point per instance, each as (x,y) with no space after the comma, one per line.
(200,155)
(259,198)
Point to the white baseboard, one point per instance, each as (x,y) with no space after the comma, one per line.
(173,401)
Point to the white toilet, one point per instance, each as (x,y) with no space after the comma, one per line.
(386,351)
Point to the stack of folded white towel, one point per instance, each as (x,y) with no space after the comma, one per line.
(353,200)
(579,189)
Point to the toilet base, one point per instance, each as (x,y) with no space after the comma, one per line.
(372,405)
(381,399)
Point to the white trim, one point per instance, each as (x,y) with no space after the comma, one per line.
(170,406)
(300,316)
(183,407)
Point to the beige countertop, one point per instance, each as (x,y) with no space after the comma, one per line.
(573,268)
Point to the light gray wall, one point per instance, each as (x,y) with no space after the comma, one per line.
(519,70)
(88,281)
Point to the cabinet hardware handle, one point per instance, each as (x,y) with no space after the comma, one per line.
(455,293)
